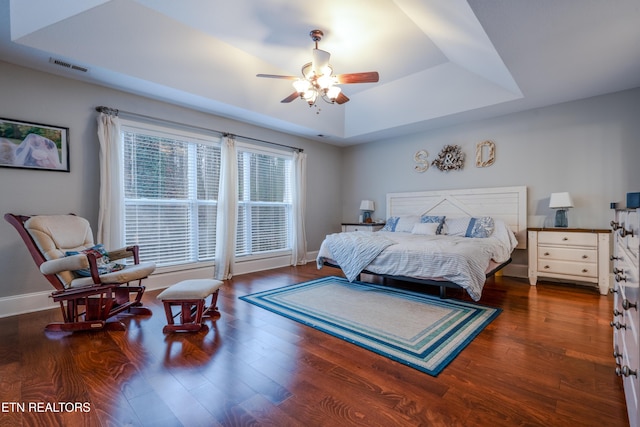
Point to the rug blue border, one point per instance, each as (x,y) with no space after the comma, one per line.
(254,299)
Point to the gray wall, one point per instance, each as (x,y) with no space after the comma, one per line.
(33,96)
(590,148)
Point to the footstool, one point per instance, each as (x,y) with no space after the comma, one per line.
(190,296)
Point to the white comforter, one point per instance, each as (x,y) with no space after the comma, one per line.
(461,260)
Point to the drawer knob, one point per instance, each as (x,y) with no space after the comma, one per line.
(621,278)
(585,256)
(618,325)
(584,270)
(564,239)
(625,371)
(624,232)
(616,352)
(627,305)
(546,254)
(616,312)
(617,270)
(547,267)
(613,258)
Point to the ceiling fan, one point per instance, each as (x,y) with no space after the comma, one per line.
(318,80)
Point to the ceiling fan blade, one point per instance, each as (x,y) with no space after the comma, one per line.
(342,98)
(367,77)
(320,60)
(290,98)
(277,76)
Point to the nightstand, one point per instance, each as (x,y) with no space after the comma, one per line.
(355,226)
(572,254)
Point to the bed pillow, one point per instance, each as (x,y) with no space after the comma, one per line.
(438,219)
(405,223)
(401,224)
(105,265)
(426,228)
(476,227)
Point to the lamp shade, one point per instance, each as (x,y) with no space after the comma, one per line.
(367,205)
(560,200)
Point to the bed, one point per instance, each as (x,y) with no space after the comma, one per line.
(427,238)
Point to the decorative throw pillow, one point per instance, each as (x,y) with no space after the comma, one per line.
(481,227)
(426,228)
(439,219)
(102,260)
(470,226)
(390,224)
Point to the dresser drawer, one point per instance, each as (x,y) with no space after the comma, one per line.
(581,269)
(574,239)
(567,254)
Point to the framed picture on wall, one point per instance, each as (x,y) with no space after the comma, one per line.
(27,145)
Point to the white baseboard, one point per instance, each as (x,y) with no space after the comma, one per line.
(26,303)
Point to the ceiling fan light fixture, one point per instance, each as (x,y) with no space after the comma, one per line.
(310,96)
(333,92)
(301,85)
(325,81)
(318,80)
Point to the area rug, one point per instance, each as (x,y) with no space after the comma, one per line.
(418,330)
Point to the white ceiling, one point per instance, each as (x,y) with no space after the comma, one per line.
(441,62)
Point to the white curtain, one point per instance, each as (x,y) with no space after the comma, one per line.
(110,221)
(299,249)
(227,216)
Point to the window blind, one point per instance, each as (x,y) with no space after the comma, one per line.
(264,202)
(171,182)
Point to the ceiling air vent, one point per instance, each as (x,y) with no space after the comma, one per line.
(66,64)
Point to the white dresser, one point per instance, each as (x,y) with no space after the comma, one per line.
(625,321)
(571,254)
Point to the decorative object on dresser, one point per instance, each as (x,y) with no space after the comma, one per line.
(367,206)
(633,200)
(571,254)
(626,321)
(359,226)
(562,202)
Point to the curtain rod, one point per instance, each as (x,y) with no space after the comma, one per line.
(115,112)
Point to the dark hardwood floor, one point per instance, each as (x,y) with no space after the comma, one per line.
(545,361)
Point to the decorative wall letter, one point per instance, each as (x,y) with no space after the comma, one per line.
(490,148)
(421,159)
(450,158)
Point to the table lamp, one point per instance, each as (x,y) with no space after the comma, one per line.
(562,202)
(366,206)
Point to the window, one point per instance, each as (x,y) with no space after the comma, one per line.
(171,181)
(264,202)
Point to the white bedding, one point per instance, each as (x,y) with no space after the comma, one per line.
(461,260)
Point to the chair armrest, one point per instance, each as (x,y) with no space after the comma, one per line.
(72,263)
(69,263)
(128,252)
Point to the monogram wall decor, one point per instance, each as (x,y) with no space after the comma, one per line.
(450,157)
(488,148)
(422,161)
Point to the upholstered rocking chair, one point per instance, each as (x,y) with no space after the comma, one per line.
(91,287)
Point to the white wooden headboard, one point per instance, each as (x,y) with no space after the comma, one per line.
(506,203)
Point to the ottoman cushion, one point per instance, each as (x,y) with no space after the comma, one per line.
(190,289)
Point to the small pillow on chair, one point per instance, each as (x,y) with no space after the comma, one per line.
(102,259)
